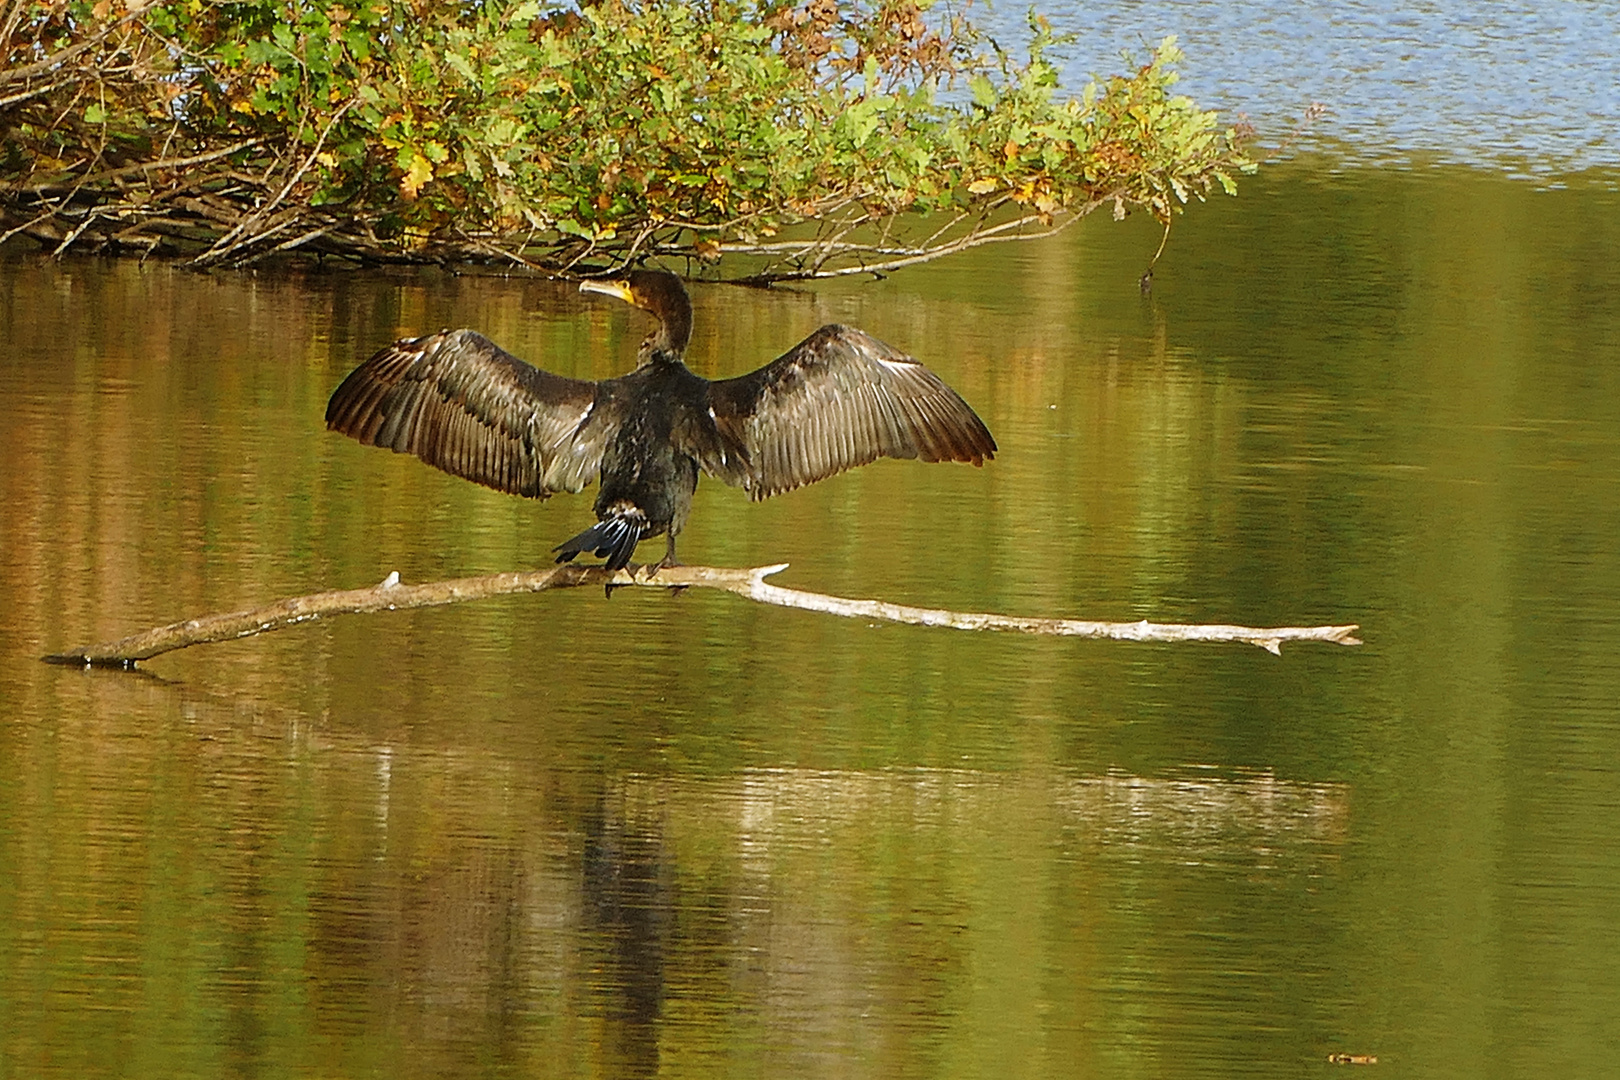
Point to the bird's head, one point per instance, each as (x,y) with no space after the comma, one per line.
(657,291)
(661,294)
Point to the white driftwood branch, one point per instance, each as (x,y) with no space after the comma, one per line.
(392,596)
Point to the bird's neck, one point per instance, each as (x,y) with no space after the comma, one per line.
(674,332)
(667,344)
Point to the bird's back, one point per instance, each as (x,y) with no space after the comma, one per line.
(651,463)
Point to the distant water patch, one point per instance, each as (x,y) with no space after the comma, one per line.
(1528,86)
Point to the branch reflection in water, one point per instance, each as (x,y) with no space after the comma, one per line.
(785,911)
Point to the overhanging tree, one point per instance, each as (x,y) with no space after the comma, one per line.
(802,140)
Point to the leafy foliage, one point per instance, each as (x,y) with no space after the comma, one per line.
(823,138)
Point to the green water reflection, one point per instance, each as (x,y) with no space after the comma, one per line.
(558,835)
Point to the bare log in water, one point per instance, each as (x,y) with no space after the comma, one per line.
(751,583)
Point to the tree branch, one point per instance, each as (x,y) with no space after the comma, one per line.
(171,164)
(750,583)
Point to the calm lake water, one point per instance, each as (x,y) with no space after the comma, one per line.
(690,836)
(559,835)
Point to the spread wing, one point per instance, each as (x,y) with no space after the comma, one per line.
(458,401)
(838,399)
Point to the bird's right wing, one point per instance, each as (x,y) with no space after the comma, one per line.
(461,403)
(838,399)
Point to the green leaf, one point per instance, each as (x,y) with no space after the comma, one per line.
(462,65)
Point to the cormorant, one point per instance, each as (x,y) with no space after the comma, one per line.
(838,399)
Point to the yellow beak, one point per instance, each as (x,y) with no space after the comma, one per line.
(620,289)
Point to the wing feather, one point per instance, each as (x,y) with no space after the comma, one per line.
(838,399)
(463,404)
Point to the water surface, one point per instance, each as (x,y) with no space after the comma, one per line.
(559,835)
(1531,87)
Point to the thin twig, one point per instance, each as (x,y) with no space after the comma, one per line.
(515,257)
(25,95)
(750,583)
(67,241)
(995,235)
(25,226)
(289,245)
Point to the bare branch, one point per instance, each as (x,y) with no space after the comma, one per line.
(289,245)
(995,234)
(144,167)
(750,583)
(46,215)
(89,219)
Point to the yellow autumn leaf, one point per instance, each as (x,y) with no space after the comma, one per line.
(420,172)
(980,187)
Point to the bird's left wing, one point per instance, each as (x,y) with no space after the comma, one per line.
(838,399)
(461,403)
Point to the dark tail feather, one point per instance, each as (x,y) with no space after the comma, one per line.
(614,539)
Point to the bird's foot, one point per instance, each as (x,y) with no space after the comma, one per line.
(663,564)
(645,574)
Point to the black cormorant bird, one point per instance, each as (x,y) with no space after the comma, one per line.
(838,399)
